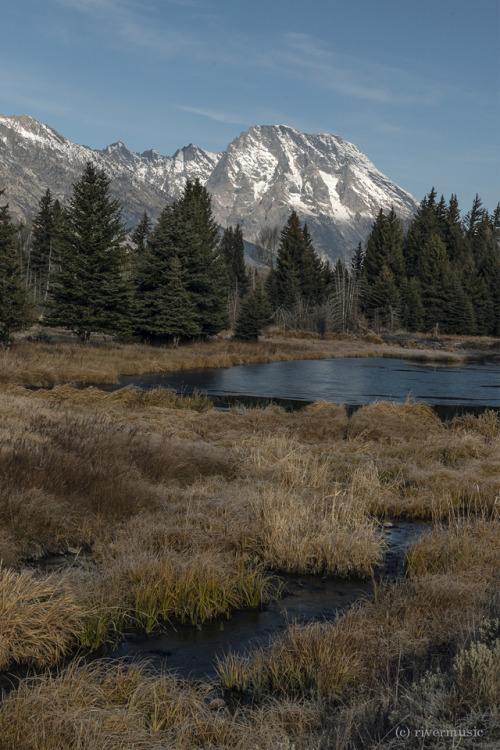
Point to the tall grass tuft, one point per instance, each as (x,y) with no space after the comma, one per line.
(40,619)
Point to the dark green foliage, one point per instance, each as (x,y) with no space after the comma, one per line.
(43,256)
(182,254)
(232,251)
(169,308)
(451,272)
(383,268)
(141,233)
(412,309)
(90,291)
(299,273)
(15,311)
(459,313)
(425,223)
(165,308)
(255,314)
(357,261)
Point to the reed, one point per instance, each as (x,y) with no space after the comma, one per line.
(40,619)
(108,705)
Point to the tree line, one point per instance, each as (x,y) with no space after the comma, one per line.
(77,267)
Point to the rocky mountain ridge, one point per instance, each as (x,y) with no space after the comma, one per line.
(263,174)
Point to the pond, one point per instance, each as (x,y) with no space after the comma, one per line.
(344,380)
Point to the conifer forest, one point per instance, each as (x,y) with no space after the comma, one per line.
(76,266)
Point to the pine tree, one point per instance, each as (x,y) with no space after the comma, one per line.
(433,271)
(15,311)
(412,309)
(357,261)
(298,275)
(90,291)
(255,314)
(232,251)
(141,233)
(165,308)
(187,231)
(43,257)
(312,286)
(384,298)
(459,313)
(383,268)
(198,251)
(425,223)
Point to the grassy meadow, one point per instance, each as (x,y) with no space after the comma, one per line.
(176,512)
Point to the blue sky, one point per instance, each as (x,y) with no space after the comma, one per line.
(415,85)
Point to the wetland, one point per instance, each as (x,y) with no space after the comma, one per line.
(172,527)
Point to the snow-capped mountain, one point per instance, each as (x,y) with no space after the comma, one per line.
(264,174)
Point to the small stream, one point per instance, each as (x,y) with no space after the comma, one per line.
(192,651)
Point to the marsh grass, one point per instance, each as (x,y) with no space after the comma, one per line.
(40,619)
(469,546)
(108,705)
(143,590)
(183,510)
(43,364)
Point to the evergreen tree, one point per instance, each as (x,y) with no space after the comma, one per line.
(310,270)
(383,267)
(433,271)
(232,251)
(182,254)
(298,275)
(459,312)
(165,308)
(141,233)
(15,311)
(456,244)
(357,261)
(198,252)
(255,314)
(43,256)
(425,223)
(384,298)
(90,291)
(412,309)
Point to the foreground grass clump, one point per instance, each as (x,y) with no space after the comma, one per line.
(40,619)
(143,589)
(108,705)
(409,622)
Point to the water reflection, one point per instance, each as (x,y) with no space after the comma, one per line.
(347,380)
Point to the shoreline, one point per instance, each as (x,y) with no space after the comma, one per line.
(35,363)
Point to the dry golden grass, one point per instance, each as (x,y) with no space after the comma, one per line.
(40,619)
(468,546)
(394,422)
(182,508)
(29,363)
(110,706)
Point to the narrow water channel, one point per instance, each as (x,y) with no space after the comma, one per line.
(192,651)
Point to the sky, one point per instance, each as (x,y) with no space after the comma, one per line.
(414,85)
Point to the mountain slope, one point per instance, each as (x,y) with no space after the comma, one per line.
(263,174)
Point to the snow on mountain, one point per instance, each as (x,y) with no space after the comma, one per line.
(263,174)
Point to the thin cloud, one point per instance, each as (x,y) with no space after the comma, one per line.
(217,116)
(306,57)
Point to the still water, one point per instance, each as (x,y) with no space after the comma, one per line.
(347,380)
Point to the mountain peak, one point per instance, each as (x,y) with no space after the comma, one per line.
(263,174)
